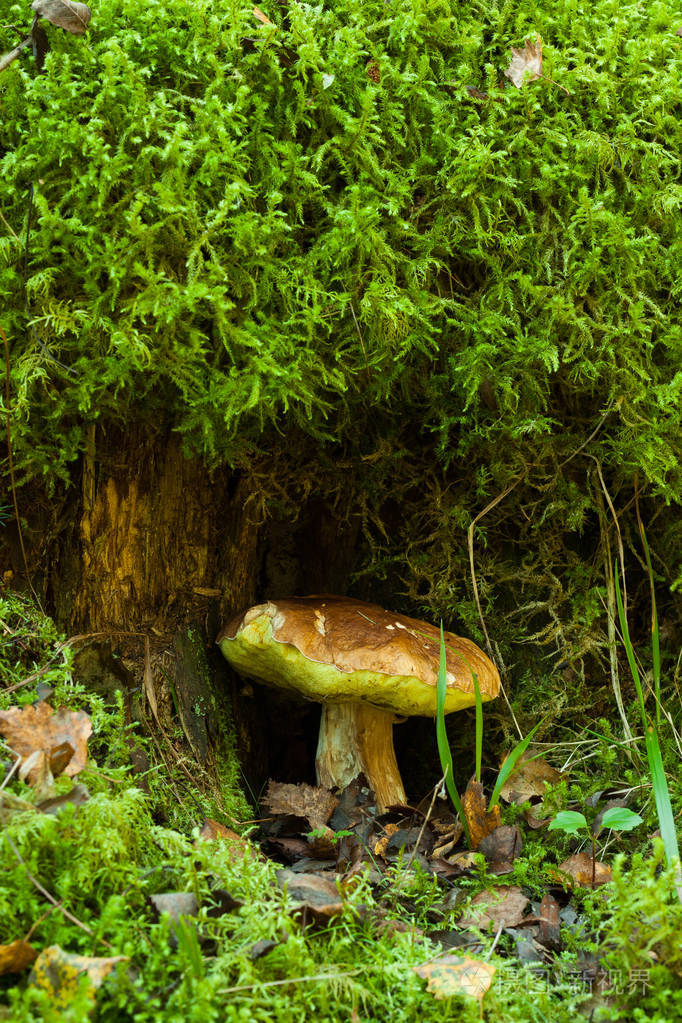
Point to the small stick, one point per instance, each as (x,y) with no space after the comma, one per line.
(291,980)
(436,790)
(51,898)
(8,58)
(470,541)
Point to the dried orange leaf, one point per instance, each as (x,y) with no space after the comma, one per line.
(381,845)
(238,847)
(579,870)
(481,823)
(457,975)
(526,64)
(16,957)
(314,804)
(501,907)
(29,729)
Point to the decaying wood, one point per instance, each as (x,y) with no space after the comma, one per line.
(195,694)
(157,532)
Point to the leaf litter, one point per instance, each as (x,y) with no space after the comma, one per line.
(329,842)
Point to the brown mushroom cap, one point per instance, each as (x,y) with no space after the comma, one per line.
(336,649)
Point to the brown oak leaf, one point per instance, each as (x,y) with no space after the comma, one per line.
(31,729)
(314,804)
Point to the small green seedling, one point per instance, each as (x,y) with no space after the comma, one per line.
(333,836)
(445,754)
(617,818)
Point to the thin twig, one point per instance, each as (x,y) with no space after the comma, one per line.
(588,439)
(362,342)
(495,941)
(470,541)
(40,920)
(11,56)
(437,788)
(51,898)
(552,82)
(9,227)
(13,770)
(291,980)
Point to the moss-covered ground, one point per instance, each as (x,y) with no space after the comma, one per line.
(82,879)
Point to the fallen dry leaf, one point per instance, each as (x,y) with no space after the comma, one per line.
(389,928)
(549,923)
(16,957)
(465,860)
(315,895)
(481,823)
(501,907)
(238,847)
(29,729)
(263,18)
(57,972)
(528,779)
(66,14)
(264,947)
(77,795)
(501,847)
(381,845)
(36,769)
(535,822)
(476,93)
(526,64)
(314,804)
(457,975)
(579,869)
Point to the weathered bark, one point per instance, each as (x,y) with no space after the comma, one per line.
(149,543)
(158,538)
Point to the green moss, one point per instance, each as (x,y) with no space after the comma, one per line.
(232,801)
(443,291)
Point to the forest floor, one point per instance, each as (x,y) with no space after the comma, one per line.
(125,896)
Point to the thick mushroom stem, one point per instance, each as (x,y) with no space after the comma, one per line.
(357,738)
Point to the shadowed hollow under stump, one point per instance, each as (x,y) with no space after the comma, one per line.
(365,665)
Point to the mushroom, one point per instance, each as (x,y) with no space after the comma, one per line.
(364,665)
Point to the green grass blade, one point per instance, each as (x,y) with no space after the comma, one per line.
(664,809)
(479,725)
(627,642)
(444,751)
(510,763)
(655,639)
